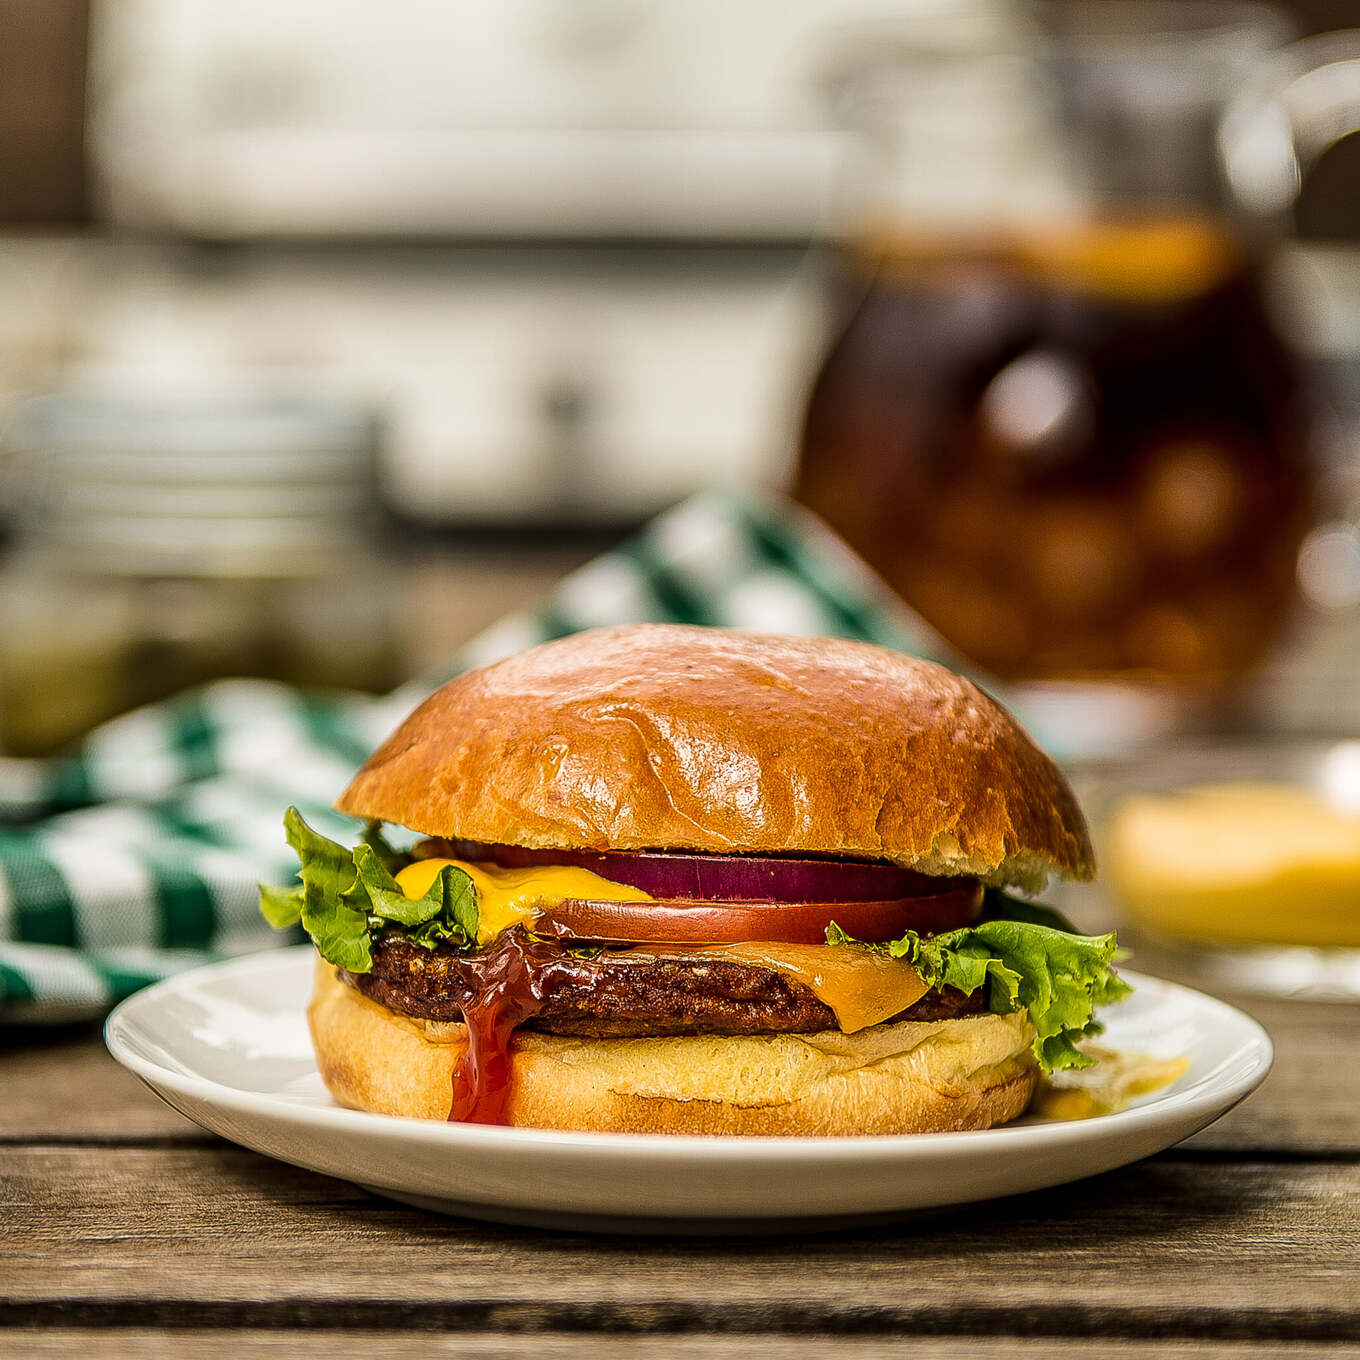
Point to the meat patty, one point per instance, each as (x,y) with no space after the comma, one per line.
(618,993)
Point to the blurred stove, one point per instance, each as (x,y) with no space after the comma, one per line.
(560,242)
(418,118)
(571,386)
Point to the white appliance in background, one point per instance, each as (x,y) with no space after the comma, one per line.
(520,385)
(549,385)
(481,118)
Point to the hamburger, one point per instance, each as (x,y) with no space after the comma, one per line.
(667,879)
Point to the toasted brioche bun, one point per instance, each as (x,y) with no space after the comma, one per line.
(894,1078)
(656,737)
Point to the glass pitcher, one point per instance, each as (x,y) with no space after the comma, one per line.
(1059,417)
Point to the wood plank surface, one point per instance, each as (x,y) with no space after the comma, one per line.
(1310,1102)
(62,1084)
(217,1236)
(137,1343)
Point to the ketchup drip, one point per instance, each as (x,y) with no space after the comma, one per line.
(511,982)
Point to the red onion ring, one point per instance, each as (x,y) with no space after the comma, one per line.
(717,878)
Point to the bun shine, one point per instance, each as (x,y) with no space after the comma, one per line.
(653,737)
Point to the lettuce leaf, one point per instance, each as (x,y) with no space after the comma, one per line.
(1049,971)
(346,895)
(392,860)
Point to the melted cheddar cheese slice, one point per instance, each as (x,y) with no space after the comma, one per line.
(513,897)
(862,987)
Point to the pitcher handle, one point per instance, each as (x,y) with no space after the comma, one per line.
(1304,99)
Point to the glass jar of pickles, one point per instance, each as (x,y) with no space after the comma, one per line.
(164,545)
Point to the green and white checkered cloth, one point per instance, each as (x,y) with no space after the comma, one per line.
(138,853)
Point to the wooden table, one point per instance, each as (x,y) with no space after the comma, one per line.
(126,1231)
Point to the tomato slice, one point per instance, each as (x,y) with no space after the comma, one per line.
(694,922)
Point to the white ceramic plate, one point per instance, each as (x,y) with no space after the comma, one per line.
(228,1047)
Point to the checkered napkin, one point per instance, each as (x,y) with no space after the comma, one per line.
(138,853)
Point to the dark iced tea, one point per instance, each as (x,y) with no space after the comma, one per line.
(1080,452)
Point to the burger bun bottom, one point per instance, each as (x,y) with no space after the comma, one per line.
(910,1077)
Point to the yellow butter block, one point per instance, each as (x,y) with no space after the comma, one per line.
(1242,862)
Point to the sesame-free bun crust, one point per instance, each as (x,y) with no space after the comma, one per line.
(927,1077)
(654,737)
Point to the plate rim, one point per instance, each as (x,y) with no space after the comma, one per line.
(1257,1049)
